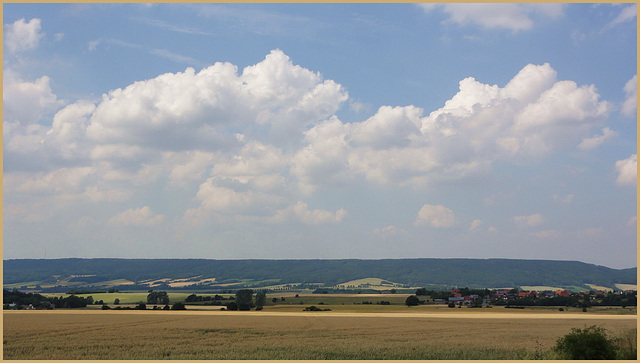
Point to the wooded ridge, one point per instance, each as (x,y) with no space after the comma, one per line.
(473,273)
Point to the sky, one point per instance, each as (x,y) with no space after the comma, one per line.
(320,131)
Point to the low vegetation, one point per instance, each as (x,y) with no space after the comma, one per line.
(595,343)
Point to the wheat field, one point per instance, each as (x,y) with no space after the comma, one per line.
(220,335)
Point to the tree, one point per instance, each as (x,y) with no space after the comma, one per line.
(244,299)
(412,301)
(116,301)
(588,343)
(261,299)
(421,292)
(158,297)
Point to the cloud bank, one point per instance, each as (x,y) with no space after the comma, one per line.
(254,143)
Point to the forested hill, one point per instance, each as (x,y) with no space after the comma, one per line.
(410,272)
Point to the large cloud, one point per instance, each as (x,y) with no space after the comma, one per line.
(252,144)
(532,116)
(198,110)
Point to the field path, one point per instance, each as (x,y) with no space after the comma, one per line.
(430,315)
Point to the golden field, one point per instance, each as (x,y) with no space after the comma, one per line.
(414,334)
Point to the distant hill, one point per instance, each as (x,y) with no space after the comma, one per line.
(203,273)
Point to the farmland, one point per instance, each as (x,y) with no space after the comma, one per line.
(275,334)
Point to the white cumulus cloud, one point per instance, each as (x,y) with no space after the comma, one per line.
(22,35)
(438,216)
(627,170)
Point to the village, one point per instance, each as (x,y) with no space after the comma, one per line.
(515,297)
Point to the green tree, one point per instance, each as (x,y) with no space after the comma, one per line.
(244,299)
(116,301)
(588,343)
(261,298)
(421,292)
(412,301)
(158,297)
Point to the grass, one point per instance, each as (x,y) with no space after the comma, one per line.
(218,335)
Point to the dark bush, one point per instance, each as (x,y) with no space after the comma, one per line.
(232,306)
(412,301)
(141,306)
(588,343)
(178,306)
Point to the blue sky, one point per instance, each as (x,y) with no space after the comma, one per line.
(320,131)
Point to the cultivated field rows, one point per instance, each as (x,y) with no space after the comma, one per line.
(91,334)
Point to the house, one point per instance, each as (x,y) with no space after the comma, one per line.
(547,293)
(563,293)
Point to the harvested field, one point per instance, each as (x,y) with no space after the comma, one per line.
(627,287)
(84,334)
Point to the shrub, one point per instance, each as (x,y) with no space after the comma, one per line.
(232,306)
(412,301)
(178,306)
(587,343)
